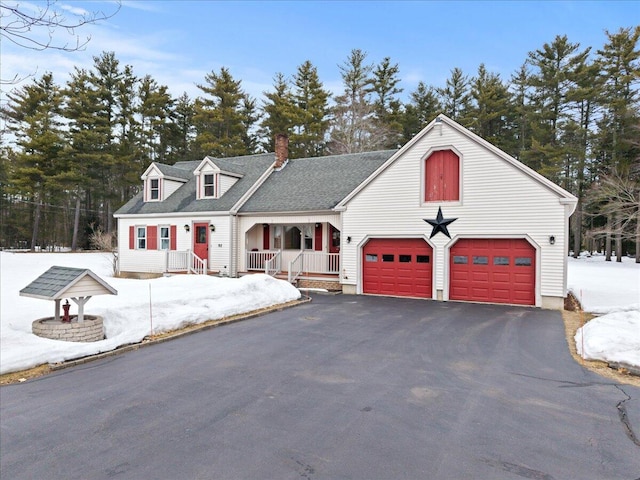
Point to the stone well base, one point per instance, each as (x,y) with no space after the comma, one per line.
(91,330)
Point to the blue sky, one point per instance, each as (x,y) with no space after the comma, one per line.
(179,42)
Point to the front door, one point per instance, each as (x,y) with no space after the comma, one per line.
(201,240)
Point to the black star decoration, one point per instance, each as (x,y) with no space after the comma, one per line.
(440,224)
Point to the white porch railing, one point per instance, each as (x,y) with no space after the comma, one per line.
(197,265)
(185,260)
(177,261)
(295,267)
(321,262)
(314,262)
(274,264)
(257,259)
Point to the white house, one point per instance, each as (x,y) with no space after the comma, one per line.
(446,217)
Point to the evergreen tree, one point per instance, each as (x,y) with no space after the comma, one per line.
(522,111)
(552,84)
(278,110)
(387,106)
(454,97)
(424,105)
(184,130)
(310,112)
(490,115)
(89,147)
(33,115)
(619,153)
(156,118)
(354,127)
(220,124)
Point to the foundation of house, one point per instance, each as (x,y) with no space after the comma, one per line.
(90,330)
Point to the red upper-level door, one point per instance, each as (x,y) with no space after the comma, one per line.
(442,177)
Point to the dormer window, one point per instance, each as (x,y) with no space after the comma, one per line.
(209,185)
(212,181)
(154,189)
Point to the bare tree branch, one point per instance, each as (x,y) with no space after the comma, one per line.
(34,28)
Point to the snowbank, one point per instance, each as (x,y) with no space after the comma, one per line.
(164,304)
(612,290)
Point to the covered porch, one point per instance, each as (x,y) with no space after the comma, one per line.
(295,250)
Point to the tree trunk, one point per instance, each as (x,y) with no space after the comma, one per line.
(36,225)
(607,242)
(618,239)
(76,225)
(638,232)
(577,230)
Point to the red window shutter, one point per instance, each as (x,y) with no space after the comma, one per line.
(318,235)
(152,237)
(132,237)
(172,241)
(265,237)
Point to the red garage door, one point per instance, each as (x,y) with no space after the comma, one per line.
(399,267)
(493,270)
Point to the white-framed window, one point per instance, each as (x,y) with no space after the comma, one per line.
(209,185)
(164,239)
(141,238)
(293,237)
(154,189)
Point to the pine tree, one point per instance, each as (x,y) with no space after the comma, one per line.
(184,130)
(33,115)
(310,112)
(424,105)
(278,112)
(454,97)
(522,111)
(89,147)
(552,84)
(387,106)
(620,66)
(220,124)
(490,114)
(354,128)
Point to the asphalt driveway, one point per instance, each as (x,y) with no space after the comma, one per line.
(345,387)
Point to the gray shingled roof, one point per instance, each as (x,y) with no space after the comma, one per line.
(177,171)
(314,184)
(251,167)
(53,283)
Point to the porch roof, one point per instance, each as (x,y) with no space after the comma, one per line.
(312,184)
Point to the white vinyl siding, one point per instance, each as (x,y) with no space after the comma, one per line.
(154,261)
(498,200)
(225,182)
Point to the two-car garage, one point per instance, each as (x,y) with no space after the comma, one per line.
(480,270)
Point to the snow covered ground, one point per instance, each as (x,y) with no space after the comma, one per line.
(175,302)
(612,291)
(607,288)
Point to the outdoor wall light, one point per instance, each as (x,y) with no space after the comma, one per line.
(552,239)
(186,227)
(348,239)
(212,227)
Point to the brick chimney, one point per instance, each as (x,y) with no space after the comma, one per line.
(282,150)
